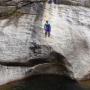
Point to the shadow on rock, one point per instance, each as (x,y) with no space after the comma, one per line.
(54,63)
(43,82)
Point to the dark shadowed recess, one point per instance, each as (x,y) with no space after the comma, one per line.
(53,57)
(43,82)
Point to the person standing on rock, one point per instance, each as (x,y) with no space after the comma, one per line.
(47,28)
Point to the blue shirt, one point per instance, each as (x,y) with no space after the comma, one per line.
(47,27)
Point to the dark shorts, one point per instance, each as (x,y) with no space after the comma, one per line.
(47,31)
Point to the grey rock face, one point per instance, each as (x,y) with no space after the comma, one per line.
(67,2)
(23,46)
(45,65)
(13,7)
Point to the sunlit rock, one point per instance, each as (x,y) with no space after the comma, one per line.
(70,35)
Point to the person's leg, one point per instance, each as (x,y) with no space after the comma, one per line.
(45,33)
(48,34)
